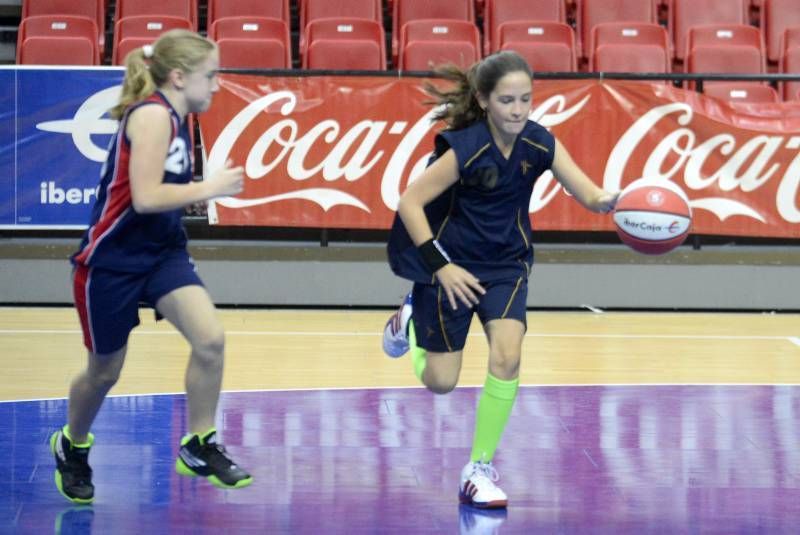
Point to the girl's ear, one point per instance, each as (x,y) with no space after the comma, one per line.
(178,78)
(482,102)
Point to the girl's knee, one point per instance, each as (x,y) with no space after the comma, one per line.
(504,366)
(440,384)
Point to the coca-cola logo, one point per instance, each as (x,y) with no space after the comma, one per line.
(749,165)
(327,135)
(320,156)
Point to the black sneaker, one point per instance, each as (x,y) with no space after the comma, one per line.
(202,456)
(73,473)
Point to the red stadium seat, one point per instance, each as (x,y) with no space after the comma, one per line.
(406,10)
(630,47)
(730,49)
(738,92)
(271,9)
(547,46)
(593,12)
(323,9)
(57,40)
(778,15)
(498,12)
(132,32)
(93,9)
(425,43)
(687,13)
(345,44)
(252,42)
(790,63)
(185,9)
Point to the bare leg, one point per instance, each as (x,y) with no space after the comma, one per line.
(441,371)
(190,309)
(89,389)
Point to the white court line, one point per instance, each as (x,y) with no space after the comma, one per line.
(795,340)
(371,334)
(420,387)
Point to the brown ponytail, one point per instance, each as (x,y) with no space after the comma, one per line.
(461,107)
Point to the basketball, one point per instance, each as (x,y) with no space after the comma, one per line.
(652,216)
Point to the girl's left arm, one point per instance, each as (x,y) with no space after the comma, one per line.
(579,185)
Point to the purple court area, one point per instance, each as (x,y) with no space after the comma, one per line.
(574,459)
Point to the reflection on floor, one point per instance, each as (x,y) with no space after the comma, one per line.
(588,459)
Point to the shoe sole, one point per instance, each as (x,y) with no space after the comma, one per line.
(182,469)
(387,351)
(497,504)
(59,483)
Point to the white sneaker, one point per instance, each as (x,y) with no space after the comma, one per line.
(395,334)
(478,489)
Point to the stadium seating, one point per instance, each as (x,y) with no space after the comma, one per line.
(345,44)
(272,9)
(406,10)
(323,9)
(57,40)
(93,9)
(593,12)
(131,32)
(737,92)
(630,47)
(547,46)
(735,49)
(185,9)
(777,16)
(790,62)
(252,42)
(425,43)
(687,13)
(498,12)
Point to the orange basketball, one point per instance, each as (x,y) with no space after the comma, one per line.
(652,216)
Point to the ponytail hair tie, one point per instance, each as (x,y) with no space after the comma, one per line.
(147,50)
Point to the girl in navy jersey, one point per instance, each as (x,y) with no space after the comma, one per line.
(463,236)
(135,251)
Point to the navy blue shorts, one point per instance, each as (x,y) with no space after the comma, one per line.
(108,301)
(441,329)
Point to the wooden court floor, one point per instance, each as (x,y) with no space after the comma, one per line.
(314,349)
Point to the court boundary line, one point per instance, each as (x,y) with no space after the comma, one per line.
(419,387)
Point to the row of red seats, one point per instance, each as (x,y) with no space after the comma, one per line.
(358,43)
(777,14)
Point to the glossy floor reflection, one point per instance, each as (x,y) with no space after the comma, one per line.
(589,459)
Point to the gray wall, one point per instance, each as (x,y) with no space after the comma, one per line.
(574,276)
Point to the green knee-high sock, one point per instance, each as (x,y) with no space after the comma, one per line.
(494,407)
(418,355)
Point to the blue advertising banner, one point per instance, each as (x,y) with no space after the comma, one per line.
(7,147)
(58,146)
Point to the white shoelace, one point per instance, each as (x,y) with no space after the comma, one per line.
(486,470)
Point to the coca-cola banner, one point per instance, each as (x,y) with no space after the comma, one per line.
(338,151)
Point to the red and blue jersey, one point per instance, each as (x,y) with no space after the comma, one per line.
(119,238)
(482,220)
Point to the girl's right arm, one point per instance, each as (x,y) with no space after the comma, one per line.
(458,283)
(149,130)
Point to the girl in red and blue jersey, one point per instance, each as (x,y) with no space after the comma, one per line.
(134,251)
(463,236)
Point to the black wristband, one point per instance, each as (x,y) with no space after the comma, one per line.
(434,257)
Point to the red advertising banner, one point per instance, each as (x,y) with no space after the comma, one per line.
(337,151)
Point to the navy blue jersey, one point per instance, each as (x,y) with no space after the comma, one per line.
(118,237)
(482,220)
